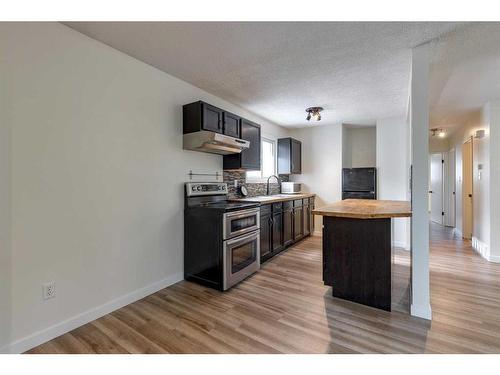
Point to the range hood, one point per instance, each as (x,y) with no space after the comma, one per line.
(213,143)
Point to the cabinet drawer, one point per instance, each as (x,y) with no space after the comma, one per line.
(297,202)
(277,207)
(265,209)
(287,205)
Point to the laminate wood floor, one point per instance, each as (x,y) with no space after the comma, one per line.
(285,308)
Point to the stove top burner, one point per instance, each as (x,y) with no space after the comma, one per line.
(212,195)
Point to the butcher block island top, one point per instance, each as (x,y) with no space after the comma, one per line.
(366,209)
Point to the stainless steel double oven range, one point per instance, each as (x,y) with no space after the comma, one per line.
(221,238)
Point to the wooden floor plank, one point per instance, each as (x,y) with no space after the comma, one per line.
(285,308)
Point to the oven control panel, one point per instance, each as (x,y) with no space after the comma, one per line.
(205,188)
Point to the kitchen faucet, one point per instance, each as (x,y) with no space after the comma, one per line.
(277,179)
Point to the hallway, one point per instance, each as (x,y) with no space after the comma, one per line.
(465,295)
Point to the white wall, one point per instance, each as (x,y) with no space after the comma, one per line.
(5,208)
(358,146)
(321,164)
(97,177)
(437,145)
(481,186)
(393,170)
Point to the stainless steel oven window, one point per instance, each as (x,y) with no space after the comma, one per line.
(241,222)
(241,258)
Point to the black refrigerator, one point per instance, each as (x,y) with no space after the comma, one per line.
(359,183)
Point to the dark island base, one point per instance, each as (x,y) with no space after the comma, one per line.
(357,260)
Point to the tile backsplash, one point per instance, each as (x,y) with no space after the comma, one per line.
(254,189)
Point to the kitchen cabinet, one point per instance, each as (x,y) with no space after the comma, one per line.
(282,224)
(277,240)
(248,159)
(306,216)
(289,156)
(266,228)
(288,223)
(202,116)
(311,216)
(297,223)
(271,228)
(231,124)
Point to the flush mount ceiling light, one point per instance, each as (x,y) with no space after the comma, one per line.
(314,112)
(438,132)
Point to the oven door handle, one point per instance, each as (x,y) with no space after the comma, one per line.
(253,235)
(242,213)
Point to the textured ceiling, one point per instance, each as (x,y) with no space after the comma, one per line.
(358,71)
(464,74)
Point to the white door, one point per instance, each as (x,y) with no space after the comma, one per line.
(449,188)
(467,189)
(436,188)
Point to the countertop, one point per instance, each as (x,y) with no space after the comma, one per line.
(264,199)
(366,209)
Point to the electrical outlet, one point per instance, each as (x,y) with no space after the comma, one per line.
(49,290)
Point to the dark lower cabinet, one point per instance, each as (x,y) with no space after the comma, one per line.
(297,223)
(277,240)
(287,227)
(265,236)
(306,216)
(282,224)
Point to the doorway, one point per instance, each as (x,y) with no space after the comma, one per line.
(436,188)
(467,187)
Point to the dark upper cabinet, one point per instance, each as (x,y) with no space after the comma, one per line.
(248,159)
(202,116)
(289,156)
(231,124)
(211,118)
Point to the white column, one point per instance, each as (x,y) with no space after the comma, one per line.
(419,115)
(5,207)
(494,172)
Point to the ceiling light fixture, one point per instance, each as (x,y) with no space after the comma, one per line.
(314,112)
(439,132)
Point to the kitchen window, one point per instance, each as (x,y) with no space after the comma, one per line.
(268,162)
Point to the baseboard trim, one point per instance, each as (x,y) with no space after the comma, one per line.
(421,311)
(317,233)
(401,244)
(494,258)
(481,248)
(70,324)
